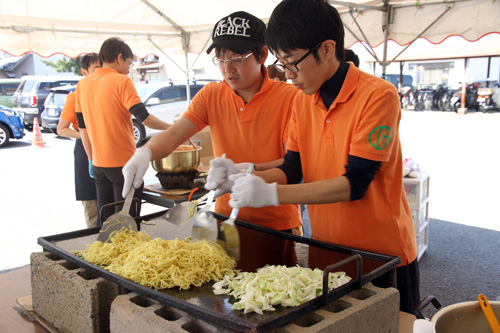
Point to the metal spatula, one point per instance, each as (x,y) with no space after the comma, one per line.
(204,223)
(176,223)
(119,220)
(229,237)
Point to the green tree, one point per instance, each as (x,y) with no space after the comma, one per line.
(65,65)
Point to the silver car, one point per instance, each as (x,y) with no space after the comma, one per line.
(165,101)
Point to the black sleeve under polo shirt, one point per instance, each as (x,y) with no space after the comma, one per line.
(359,171)
(292,167)
(81,122)
(139,111)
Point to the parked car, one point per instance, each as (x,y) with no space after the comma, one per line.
(165,101)
(394,79)
(30,96)
(53,107)
(7,89)
(11,125)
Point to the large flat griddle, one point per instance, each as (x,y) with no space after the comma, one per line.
(259,246)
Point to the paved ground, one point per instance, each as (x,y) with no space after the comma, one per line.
(461,262)
(37,199)
(37,196)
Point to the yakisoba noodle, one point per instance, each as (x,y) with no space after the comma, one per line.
(159,263)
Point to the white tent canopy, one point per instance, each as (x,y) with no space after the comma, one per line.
(76,27)
(159,26)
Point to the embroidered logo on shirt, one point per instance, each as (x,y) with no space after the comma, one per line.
(380,137)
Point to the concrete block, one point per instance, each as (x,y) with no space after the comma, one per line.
(70,298)
(131,313)
(370,309)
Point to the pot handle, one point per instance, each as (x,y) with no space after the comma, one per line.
(423,303)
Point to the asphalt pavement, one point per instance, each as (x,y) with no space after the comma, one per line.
(38,196)
(460,152)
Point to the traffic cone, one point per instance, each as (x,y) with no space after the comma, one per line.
(37,135)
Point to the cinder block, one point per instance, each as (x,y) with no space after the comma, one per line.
(133,313)
(68,297)
(370,309)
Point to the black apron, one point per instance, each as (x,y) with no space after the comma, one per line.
(84,185)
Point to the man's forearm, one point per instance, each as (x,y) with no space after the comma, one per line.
(163,143)
(64,130)
(320,192)
(269,165)
(155,123)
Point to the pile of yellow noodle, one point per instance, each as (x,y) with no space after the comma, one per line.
(159,263)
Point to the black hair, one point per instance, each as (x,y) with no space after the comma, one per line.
(112,48)
(88,59)
(303,24)
(350,55)
(256,49)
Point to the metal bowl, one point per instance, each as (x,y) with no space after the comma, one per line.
(185,158)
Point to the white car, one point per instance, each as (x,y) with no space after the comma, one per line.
(165,101)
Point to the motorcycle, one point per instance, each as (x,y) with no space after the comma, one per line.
(445,102)
(470,98)
(438,97)
(423,99)
(407,98)
(484,99)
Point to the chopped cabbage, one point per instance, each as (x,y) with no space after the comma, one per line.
(276,285)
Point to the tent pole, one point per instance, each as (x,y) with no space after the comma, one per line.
(372,53)
(422,33)
(186,54)
(385,27)
(185,43)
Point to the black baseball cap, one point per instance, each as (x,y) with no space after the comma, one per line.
(238,32)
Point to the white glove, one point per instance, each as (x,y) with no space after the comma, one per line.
(218,174)
(135,169)
(252,191)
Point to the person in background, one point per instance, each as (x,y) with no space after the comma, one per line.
(68,127)
(344,143)
(105,102)
(351,56)
(248,115)
(275,74)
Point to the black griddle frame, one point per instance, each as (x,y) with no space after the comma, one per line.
(236,320)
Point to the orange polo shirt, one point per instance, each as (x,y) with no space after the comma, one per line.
(68,111)
(363,121)
(255,132)
(104,98)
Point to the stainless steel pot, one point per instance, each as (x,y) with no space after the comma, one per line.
(185,158)
(462,317)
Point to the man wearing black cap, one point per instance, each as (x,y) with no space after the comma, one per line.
(247,113)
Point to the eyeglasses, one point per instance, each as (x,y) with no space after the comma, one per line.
(236,61)
(292,67)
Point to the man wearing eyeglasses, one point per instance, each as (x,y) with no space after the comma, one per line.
(343,141)
(248,115)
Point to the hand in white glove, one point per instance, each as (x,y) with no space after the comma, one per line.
(218,174)
(135,169)
(252,191)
